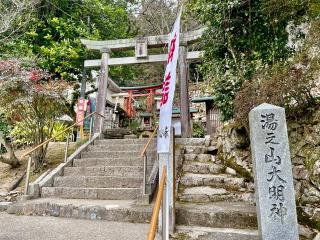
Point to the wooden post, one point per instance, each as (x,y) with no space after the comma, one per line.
(83,83)
(102,91)
(26,188)
(184,92)
(67,148)
(209,112)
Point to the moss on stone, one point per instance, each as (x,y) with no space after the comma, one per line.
(306,220)
(180,236)
(231,162)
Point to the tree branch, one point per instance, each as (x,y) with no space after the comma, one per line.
(12,160)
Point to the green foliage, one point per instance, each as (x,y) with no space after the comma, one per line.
(134,126)
(4,125)
(198,130)
(21,134)
(242,38)
(30,104)
(53,33)
(58,128)
(290,84)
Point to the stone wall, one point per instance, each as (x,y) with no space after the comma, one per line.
(304,138)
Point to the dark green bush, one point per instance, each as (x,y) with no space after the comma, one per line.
(291,85)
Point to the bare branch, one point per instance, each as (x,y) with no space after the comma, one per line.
(14,14)
(11,159)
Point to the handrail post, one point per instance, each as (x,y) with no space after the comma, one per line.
(28,176)
(90,129)
(66,148)
(101,124)
(145,162)
(165,213)
(144,155)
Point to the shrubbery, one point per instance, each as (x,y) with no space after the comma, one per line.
(31,103)
(242,38)
(198,130)
(291,84)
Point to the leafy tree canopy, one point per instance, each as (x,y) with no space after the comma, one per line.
(55,27)
(31,102)
(243,37)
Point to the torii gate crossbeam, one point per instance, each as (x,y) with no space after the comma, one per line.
(141,45)
(133,60)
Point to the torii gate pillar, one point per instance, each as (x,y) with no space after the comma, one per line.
(102,91)
(184,92)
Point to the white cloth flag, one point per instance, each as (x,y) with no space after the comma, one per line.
(168,88)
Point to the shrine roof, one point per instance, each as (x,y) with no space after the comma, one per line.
(202,99)
(178,111)
(141,88)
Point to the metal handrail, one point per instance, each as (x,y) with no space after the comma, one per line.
(145,160)
(49,140)
(156,209)
(149,141)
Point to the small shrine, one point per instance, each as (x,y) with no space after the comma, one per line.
(212,114)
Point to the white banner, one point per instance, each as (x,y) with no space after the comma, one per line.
(168,88)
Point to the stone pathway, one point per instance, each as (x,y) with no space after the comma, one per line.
(111,169)
(50,228)
(215,203)
(109,210)
(205,179)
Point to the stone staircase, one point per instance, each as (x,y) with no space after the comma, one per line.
(111,169)
(104,183)
(205,179)
(214,201)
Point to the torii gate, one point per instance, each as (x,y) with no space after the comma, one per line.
(134,92)
(141,48)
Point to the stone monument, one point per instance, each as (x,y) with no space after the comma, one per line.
(276,208)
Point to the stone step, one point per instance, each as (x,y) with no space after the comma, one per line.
(208,194)
(239,215)
(4,206)
(93,162)
(203,168)
(109,210)
(122,147)
(205,233)
(127,171)
(195,149)
(120,141)
(214,215)
(92,193)
(98,182)
(191,141)
(205,158)
(221,180)
(113,154)
(116,133)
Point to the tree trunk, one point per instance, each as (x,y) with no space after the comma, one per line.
(12,160)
